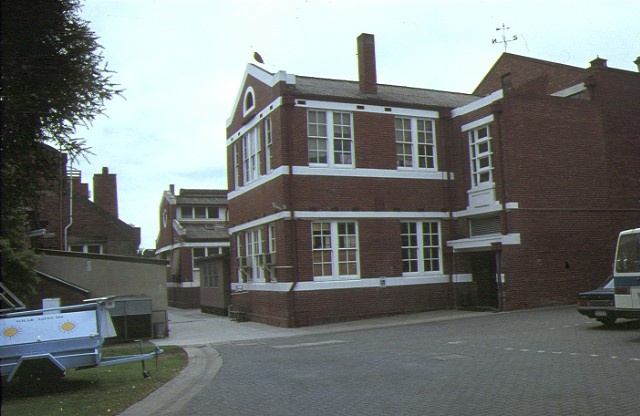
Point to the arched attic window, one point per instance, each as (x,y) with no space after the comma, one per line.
(249,102)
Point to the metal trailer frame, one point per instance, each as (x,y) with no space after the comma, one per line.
(65,337)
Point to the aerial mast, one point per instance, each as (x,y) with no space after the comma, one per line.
(504,37)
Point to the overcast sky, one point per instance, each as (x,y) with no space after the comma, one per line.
(181,63)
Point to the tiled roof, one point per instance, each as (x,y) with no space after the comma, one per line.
(389,93)
(210,197)
(205,231)
(204,200)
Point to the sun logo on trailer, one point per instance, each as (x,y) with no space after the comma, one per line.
(11,332)
(68,327)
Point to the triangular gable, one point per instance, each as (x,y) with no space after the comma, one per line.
(523,69)
(263,76)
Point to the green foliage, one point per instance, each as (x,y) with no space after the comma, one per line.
(53,80)
(17,269)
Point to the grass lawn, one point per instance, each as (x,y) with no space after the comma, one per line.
(95,391)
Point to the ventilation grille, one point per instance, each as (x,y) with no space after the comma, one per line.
(484,226)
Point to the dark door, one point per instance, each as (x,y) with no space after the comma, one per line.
(483,269)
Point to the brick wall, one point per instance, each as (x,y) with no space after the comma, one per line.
(319,307)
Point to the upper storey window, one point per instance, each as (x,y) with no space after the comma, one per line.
(268,145)
(249,102)
(330,138)
(415,143)
(481,155)
(187,212)
(86,248)
(251,155)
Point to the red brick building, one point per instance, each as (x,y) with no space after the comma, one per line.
(193,227)
(354,199)
(73,222)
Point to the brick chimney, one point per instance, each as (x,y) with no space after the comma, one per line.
(105,191)
(367,64)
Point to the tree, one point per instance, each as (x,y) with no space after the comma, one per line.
(53,80)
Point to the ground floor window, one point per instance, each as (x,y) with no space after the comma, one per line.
(211,275)
(335,250)
(253,255)
(421,251)
(256,255)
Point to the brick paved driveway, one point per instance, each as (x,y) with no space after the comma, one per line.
(540,362)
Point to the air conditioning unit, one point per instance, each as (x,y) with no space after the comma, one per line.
(270,259)
(241,262)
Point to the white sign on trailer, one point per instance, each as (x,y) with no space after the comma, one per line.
(41,328)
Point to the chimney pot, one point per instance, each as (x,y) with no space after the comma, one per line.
(367,64)
(637,62)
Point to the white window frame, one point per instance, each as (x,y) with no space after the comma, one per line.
(189,212)
(481,156)
(239,252)
(86,248)
(268,145)
(211,275)
(271,230)
(253,252)
(329,133)
(246,107)
(251,155)
(236,166)
(422,147)
(208,251)
(333,251)
(269,269)
(418,247)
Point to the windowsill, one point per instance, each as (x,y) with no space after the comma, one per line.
(482,187)
(335,279)
(408,168)
(326,165)
(201,219)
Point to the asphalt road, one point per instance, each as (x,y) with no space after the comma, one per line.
(538,362)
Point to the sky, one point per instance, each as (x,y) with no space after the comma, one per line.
(181,62)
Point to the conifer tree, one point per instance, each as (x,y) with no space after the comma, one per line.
(53,79)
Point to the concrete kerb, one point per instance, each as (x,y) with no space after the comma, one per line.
(203,365)
(196,333)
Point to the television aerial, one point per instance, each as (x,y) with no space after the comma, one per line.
(504,40)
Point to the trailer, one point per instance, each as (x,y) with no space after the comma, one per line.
(60,338)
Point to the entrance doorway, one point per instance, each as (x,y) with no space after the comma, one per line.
(484,271)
